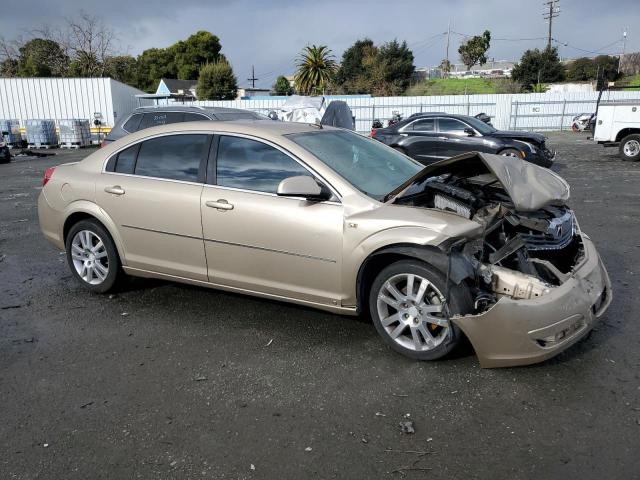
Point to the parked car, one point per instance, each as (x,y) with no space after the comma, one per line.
(478,245)
(429,137)
(5,154)
(618,125)
(145,117)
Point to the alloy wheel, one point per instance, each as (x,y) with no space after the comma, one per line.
(412,312)
(89,256)
(632,148)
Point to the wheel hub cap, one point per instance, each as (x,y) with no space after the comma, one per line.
(89,257)
(632,148)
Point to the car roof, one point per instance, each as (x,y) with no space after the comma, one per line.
(417,116)
(188,108)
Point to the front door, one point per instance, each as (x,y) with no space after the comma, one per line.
(455,140)
(258,241)
(152,192)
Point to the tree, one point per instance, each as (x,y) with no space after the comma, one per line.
(122,68)
(353,76)
(217,82)
(42,58)
(194,52)
(474,50)
(393,70)
(538,66)
(601,68)
(581,69)
(445,67)
(282,86)
(154,64)
(316,66)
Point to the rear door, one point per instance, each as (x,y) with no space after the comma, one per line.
(152,190)
(422,141)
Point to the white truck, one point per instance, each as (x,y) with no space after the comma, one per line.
(618,124)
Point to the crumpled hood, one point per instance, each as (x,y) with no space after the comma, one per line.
(529,186)
(519,135)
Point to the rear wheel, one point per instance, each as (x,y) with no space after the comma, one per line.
(92,256)
(409,310)
(630,147)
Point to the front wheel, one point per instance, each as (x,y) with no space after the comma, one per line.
(510,152)
(409,310)
(92,256)
(630,147)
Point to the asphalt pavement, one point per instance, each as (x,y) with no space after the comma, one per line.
(171,381)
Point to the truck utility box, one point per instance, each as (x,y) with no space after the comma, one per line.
(618,124)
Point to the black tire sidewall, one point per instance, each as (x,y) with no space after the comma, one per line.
(635,137)
(112,254)
(459,302)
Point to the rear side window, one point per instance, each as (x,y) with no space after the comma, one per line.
(251,165)
(133,123)
(126,160)
(194,117)
(160,118)
(426,125)
(175,157)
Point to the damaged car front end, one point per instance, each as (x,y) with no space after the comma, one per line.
(537,281)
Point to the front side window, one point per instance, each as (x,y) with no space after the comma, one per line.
(252,165)
(175,157)
(452,126)
(369,165)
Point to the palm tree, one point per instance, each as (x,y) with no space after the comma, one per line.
(316,66)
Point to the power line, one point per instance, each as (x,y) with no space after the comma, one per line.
(594,52)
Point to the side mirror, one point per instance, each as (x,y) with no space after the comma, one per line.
(470,132)
(304,187)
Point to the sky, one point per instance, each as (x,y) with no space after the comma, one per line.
(270,33)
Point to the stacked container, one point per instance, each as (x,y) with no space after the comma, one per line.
(41,133)
(10,132)
(74,133)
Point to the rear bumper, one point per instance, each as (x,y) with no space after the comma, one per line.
(522,332)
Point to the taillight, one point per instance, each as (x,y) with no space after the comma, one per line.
(373,132)
(48,173)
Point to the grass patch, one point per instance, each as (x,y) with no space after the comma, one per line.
(454,86)
(631,81)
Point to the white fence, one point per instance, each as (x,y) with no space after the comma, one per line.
(524,111)
(63,98)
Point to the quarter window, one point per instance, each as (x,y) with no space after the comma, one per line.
(133,123)
(126,160)
(452,126)
(176,157)
(251,165)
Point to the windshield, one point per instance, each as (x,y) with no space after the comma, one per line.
(479,125)
(370,166)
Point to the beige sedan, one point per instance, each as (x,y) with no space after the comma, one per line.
(480,246)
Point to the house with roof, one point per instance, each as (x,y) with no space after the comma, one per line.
(178,89)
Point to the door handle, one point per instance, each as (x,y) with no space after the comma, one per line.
(220,204)
(116,190)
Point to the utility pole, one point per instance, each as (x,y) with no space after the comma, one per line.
(624,45)
(253,77)
(551,11)
(447,54)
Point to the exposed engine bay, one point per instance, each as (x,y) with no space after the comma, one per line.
(530,240)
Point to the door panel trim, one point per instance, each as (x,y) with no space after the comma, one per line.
(265,249)
(162,231)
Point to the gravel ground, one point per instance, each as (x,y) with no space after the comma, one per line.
(171,381)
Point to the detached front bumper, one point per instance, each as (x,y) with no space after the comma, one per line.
(521,332)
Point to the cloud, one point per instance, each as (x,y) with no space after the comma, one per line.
(269,34)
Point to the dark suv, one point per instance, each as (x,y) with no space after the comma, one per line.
(429,137)
(145,117)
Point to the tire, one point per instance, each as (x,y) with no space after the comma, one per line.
(510,152)
(88,261)
(411,323)
(6,158)
(630,148)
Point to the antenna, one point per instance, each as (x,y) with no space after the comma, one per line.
(253,77)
